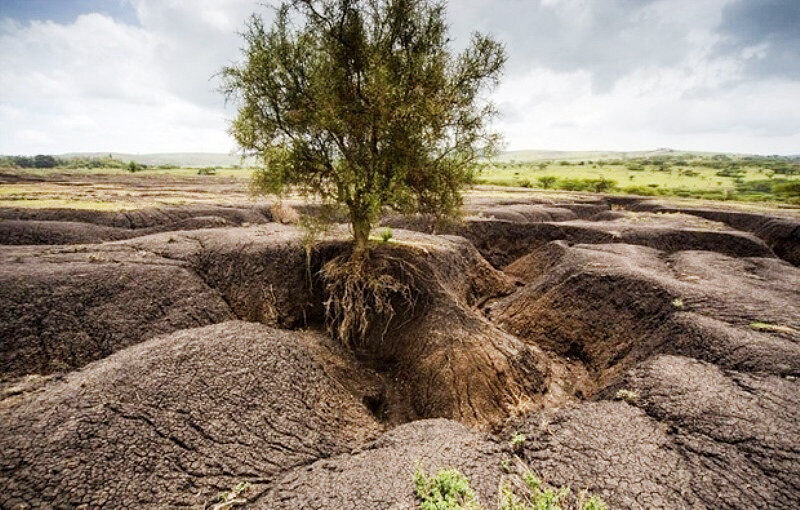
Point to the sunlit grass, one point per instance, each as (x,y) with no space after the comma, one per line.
(705,180)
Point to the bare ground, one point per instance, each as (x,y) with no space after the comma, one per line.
(152,357)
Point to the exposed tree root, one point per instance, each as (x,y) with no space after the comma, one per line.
(363,292)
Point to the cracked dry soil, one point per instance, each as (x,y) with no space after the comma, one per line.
(154,359)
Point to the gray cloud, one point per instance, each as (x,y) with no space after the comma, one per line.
(583,74)
(609,38)
(771,28)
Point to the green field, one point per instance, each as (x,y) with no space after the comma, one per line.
(661,172)
(721,177)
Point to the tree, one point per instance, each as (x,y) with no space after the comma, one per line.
(364,103)
(44,161)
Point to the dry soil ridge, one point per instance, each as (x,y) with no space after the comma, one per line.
(697,322)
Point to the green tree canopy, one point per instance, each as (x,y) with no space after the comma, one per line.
(364,103)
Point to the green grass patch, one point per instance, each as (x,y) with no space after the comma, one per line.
(448,489)
(754,179)
(520,489)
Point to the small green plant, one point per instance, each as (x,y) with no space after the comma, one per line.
(525,183)
(233,497)
(627,395)
(586,502)
(449,489)
(521,489)
(386,235)
(524,490)
(531,494)
(518,441)
(678,303)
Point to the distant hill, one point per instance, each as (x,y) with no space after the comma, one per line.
(201,159)
(523,156)
(196,159)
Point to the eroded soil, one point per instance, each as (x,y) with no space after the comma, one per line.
(155,356)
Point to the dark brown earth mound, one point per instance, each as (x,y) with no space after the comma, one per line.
(175,420)
(503,239)
(525,212)
(28,232)
(449,361)
(139,218)
(780,233)
(21,232)
(651,358)
(61,308)
(379,474)
(603,304)
(709,432)
(687,435)
(264,273)
(75,226)
(65,306)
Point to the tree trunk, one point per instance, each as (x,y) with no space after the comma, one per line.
(361,228)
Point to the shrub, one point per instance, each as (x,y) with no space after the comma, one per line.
(603,184)
(133,166)
(591,503)
(640,190)
(525,183)
(209,170)
(731,172)
(598,185)
(447,490)
(524,490)
(788,190)
(787,169)
(44,161)
(546,181)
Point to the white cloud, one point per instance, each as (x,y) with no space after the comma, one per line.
(100,85)
(702,104)
(583,75)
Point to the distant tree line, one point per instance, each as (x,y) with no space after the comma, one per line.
(49,161)
(38,161)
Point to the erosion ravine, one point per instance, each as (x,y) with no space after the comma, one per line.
(153,357)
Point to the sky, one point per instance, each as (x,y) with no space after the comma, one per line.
(139,75)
